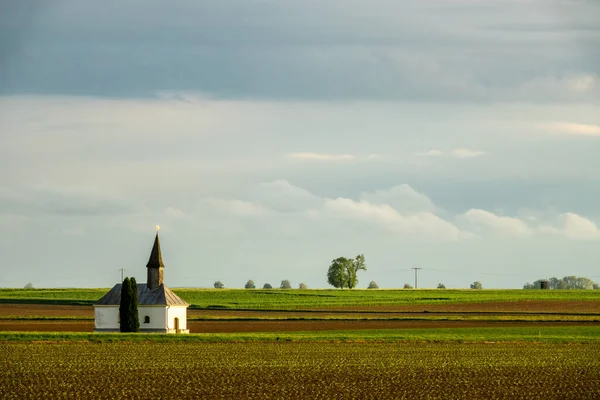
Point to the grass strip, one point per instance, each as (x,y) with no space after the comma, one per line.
(567,334)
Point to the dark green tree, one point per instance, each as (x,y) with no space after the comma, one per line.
(373,285)
(441,286)
(128,310)
(303,286)
(219,285)
(250,284)
(476,285)
(134,319)
(267,286)
(124,305)
(343,271)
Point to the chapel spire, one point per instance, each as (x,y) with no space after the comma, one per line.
(155,265)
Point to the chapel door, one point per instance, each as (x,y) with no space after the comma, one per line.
(176,323)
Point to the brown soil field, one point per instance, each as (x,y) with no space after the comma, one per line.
(276,326)
(563,306)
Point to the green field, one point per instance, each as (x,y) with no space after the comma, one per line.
(277,299)
(562,334)
(298,370)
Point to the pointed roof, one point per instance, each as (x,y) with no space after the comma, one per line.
(155,260)
(162,295)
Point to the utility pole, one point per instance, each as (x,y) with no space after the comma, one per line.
(416,276)
(122,269)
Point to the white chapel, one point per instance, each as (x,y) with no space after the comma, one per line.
(160,310)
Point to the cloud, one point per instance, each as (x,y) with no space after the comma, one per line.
(466,153)
(238,207)
(575,227)
(569,128)
(430,153)
(282,196)
(402,198)
(482,221)
(321,156)
(64,201)
(457,153)
(421,224)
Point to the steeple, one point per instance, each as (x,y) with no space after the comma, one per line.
(155,265)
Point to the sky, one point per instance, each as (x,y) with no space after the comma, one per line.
(269,137)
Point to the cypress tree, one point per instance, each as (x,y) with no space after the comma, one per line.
(133,308)
(124,306)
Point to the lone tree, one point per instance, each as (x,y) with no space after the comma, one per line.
(128,310)
(250,285)
(303,286)
(476,285)
(373,285)
(219,285)
(267,286)
(285,284)
(29,285)
(441,286)
(407,286)
(343,271)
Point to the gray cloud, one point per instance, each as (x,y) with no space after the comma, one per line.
(434,51)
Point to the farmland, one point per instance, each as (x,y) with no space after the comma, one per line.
(310,344)
(277,299)
(263,370)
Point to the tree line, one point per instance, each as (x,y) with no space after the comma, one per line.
(567,282)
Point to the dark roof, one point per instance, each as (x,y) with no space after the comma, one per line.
(155,260)
(162,295)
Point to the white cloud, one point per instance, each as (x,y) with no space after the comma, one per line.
(403,198)
(481,221)
(575,227)
(457,153)
(238,207)
(569,128)
(582,83)
(422,224)
(430,153)
(321,156)
(466,153)
(282,196)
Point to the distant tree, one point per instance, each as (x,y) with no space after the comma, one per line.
(407,286)
(219,285)
(476,285)
(250,285)
(441,286)
(29,285)
(134,318)
(595,286)
(267,286)
(373,285)
(567,282)
(343,271)
(303,286)
(285,284)
(128,312)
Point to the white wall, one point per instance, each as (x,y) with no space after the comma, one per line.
(157,316)
(177,312)
(106,318)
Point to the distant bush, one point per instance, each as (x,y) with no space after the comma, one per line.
(373,285)
(219,285)
(476,285)
(407,286)
(285,284)
(441,286)
(303,286)
(267,286)
(250,285)
(29,285)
